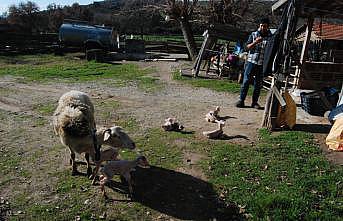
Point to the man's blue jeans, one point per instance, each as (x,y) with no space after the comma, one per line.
(252,70)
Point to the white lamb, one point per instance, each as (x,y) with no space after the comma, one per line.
(212,116)
(171,124)
(215,133)
(73,121)
(122,168)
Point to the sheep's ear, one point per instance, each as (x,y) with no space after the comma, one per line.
(107,135)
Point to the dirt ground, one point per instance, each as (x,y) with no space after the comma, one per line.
(186,103)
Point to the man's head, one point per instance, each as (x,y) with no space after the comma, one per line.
(264,25)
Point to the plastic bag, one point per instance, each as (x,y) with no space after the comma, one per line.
(335,113)
(335,138)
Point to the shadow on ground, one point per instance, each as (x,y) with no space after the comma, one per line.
(187,132)
(227,137)
(226,118)
(313,128)
(179,195)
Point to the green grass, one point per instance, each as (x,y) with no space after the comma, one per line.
(219,85)
(9,162)
(71,193)
(159,148)
(107,107)
(43,68)
(284,177)
(178,38)
(75,192)
(11,166)
(46,109)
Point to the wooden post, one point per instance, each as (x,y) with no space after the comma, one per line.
(207,42)
(304,51)
(340,96)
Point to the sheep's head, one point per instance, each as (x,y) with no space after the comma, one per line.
(211,113)
(169,120)
(216,111)
(116,137)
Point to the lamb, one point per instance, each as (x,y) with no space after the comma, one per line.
(73,121)
(171,124)
(213,116)
(105,155)
(122,168)
(215,133)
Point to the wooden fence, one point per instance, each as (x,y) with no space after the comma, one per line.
(27,43)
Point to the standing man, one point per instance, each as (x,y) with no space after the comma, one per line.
(254,66)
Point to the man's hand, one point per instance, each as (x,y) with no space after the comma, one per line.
(254,43)
(258,40)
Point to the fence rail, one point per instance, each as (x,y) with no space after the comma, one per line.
(19,42)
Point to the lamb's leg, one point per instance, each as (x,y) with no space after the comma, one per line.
(103,180)
(89,168)
(129,181)
(95,172)
(73,164)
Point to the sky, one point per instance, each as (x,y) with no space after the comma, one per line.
(4,4)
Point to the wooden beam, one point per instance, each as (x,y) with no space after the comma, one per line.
(340,97)
(278,4)
(205,44)
(304,51)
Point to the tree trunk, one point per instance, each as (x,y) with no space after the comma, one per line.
(189,38)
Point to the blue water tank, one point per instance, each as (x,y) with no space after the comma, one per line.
(79,34)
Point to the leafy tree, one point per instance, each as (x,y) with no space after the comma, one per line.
(75,11)
(182,11)
(3,16)
(227,11)
(55,16)
(24,15)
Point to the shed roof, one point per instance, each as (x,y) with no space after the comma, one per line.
(329,31)
(324,31)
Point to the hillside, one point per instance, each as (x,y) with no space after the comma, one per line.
(135,16)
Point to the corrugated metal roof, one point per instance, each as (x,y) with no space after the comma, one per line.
(324,31)
(328,31)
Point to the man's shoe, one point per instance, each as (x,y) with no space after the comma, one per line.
(256,106)
(240,104)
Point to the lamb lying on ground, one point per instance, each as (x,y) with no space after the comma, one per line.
(215,133)
(73,121)
(122,168)
(212,116)
(171,124)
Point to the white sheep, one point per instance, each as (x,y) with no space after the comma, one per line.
(213,116)
(122,168)
(217,133)
(73,121)
(171,124)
